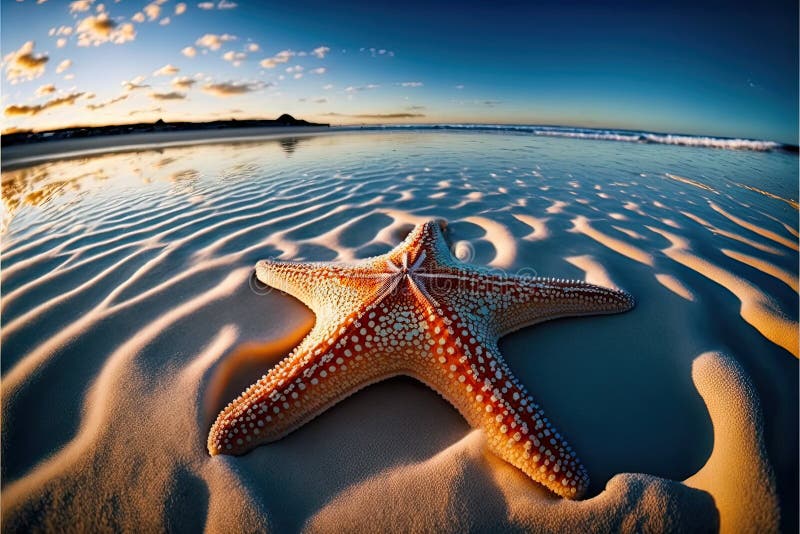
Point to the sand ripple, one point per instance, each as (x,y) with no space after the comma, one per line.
(129,320)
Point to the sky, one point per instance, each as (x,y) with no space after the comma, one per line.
(704,67)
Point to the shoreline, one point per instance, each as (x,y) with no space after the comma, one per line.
(24,155)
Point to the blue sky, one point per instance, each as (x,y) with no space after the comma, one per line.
(711,68)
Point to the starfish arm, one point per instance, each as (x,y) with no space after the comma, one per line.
(326,287)
(511,302)
(470,373)
(329,365)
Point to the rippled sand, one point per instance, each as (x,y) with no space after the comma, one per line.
(129,320)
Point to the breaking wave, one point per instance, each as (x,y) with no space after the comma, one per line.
(630,136)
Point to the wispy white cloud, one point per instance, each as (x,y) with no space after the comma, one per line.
(319,70)
(189,51)
(79,6)
(222,4)
(358,89)
(64,65)
(327,86)
(213,41)
(410,84)
(321,51)
(61,30)
(253,47)
(375,52)
(234,57)
(165,21)
(166,70)
(152,10)
(180,8)
(281,57)
(134,84)
(24,64)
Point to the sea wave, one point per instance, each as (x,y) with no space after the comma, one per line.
(630,136)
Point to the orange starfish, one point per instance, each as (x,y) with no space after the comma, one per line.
(416,311)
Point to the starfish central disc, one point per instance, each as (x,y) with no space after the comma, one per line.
(416,311)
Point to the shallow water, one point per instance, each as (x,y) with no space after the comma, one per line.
(126,298)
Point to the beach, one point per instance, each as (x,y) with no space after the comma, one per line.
(130,319)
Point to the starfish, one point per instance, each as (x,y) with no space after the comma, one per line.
(416,311)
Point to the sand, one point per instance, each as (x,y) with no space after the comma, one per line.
(130,319)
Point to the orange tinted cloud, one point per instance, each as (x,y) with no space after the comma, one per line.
(68,100)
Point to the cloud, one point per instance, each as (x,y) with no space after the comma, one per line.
(328,86)
(23,64)
(180,8)
(321,101)
(296,68)
(319,70)
(253,47)
(360,88)
(166,70)
(377,115)
(152,10)
(61,42)
(374,52)
(61,30)
(172,95)
(80,6)
(415,108)
(64,65)
(281,57)
(225,89)
(410,84)
(94,31)
(151,110)
(101,105)
(184,82)
(135,84)
(164,21)
(138,17)
(213,41)
(234,57)
(222,4)
(459,87)
(491,103)
(67,100)
(46,90)
(189,51)
(321,51)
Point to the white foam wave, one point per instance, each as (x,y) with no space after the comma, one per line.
(605,135)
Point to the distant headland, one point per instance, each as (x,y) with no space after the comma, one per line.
(80,132)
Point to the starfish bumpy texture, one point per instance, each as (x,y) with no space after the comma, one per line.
(416,311)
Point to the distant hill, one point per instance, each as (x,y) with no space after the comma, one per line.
(76,132)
